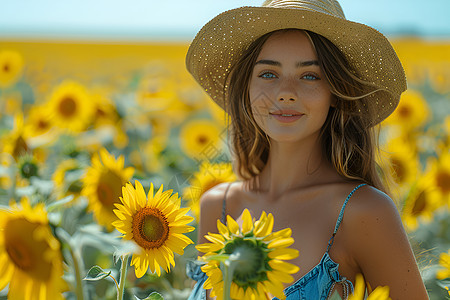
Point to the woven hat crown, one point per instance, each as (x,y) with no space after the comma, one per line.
(330,7)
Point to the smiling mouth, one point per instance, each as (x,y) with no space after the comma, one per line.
(286,118)
(286,115)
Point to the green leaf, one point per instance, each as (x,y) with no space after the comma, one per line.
(152,296)
(96,273)
(59,203)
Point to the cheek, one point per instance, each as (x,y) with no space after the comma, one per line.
(260,103)
(319,99)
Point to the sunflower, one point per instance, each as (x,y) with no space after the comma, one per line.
(120,135)
(412,111)
(38,121)
(28,166)
(261,269)
(404,161)
(30,256)
(160,124)
(16,142)
(152,151)
(71,107)
(207,177)
(444,143)
(156,224)
(200,139)
(439,174)
(12,103)
(102,185)
(11,67)
(105,112)
(67,179)
(421,202)
(380,292)
(155,94)
(444,262)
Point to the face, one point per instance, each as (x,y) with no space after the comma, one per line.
(289,94)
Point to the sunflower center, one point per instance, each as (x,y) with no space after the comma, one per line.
(67,106)
(26,252)
(251,258)
(6,68)
(19,254)
(42,124)
(20,147)
(100,112)
(443,181)
(109,189)
(28,170)
(75,187)
(150,228)
(419,204)
(404,112)
(399,169)
(202,139)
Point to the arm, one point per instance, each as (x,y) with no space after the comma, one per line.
(210,212)
(379,245)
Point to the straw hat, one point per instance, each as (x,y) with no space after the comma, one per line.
(220,43)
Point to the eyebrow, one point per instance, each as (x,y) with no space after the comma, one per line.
(278,64)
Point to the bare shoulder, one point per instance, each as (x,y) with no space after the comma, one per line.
(211,203)
(368,201)
(377,242)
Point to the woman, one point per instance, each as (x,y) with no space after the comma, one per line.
(304,89)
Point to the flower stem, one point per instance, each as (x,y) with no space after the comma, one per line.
(123,273)
(76,265)
(226,282)
(228,270)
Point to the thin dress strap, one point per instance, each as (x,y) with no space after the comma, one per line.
(224,205)
(341,215)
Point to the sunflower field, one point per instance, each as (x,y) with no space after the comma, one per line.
(104,147)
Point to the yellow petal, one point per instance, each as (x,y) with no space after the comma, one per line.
(284,233)
(283,266)
(275,288)
(360,288)
(284,253)
(150,193)
(380,293)
(247,224)
(215,238)
(281,243)
(223,230)
(208,247)
(232,225)
(141,199)
(280,276)
(259,224)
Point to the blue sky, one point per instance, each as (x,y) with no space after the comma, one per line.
(181,19)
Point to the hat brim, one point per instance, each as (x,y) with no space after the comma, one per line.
(220,43)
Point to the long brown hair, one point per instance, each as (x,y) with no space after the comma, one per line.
(348,140)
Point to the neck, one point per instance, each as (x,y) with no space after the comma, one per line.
(294,165)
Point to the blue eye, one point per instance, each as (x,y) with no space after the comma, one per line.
(267,75)
(310,77)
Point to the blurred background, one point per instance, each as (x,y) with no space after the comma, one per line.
(80,76)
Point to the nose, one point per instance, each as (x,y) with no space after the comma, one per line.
(287,92)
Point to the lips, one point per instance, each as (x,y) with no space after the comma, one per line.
(286,115)
(286,112)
